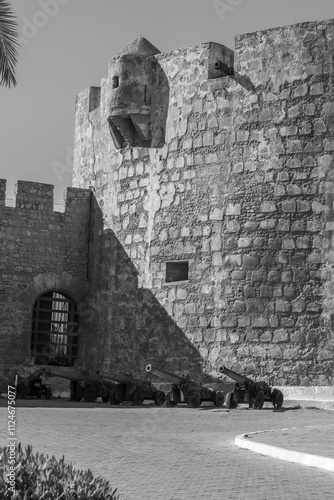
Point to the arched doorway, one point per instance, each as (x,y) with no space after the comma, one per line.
(54,330)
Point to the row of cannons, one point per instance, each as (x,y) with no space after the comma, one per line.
(116,388)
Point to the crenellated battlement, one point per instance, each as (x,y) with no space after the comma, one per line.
(37,196)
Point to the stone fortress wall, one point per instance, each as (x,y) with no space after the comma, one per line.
(40,250)
(240,187)
(207,239)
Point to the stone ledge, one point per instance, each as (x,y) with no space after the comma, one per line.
(308,394)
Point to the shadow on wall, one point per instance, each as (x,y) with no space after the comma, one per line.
(123,326)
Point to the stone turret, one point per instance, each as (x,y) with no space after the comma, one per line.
(133,79)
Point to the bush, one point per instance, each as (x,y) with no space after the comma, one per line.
(38,477)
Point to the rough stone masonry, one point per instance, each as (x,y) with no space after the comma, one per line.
(206,187)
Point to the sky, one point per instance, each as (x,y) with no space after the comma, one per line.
(66,46)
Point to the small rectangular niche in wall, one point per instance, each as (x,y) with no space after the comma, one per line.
(177,271)
(115,82)
(94,98)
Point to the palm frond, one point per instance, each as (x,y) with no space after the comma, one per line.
(9,44)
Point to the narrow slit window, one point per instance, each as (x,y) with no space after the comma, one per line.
(177,271)
(115,82)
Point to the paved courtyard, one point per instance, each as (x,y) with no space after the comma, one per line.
(174,453)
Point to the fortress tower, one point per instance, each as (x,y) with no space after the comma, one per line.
(223,206)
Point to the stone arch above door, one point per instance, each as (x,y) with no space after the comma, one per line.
(43,282)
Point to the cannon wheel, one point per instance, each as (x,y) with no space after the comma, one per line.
(218,398)
(259,400)
(90,396)
(113,399)
(230,401)
(169,402)
(278,403)
(137,397)
(48,393)
(160,398)
(21,392)
(193,400)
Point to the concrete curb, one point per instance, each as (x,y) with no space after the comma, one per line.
(310,403)
(297,457)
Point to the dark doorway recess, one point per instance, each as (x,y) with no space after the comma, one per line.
(54,330)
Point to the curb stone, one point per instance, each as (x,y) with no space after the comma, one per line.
(298,457)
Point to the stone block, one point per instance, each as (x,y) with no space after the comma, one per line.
(268,224)
(235,260)
(303,206)
(282,306)
(273,321)
(303,242)
(258,242)
(293,190)
(238,275)
(260,322)
(259,276)
(301,275)
(266,337)
(274,277)
(268,207)
(317,88)
(266,291)
(251,226)
(275,352)
(283,225)
(244,242)
(243,322)
(217,259)
(289,292)
(279,190)
(319,127)
(221,335)
(216,243)
(239,306)
(216,214)
(287,276)
(234,337)
(294,146)
(300,90)
(288,206)
(250,261)
(232,226)
(288,243)
(286,131)
(249,291)
(230,322)
(233,209)
(254,305)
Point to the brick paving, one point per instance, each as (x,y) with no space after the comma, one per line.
(309,439)
(177,453)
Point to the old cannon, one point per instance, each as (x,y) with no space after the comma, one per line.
(32,387)
(87,385)
(129,388)
(83,384)
(185,390)
(248,391)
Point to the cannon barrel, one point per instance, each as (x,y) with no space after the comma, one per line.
(240,379)
(77,374)
(121,378)
(170,377)
(32,376)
